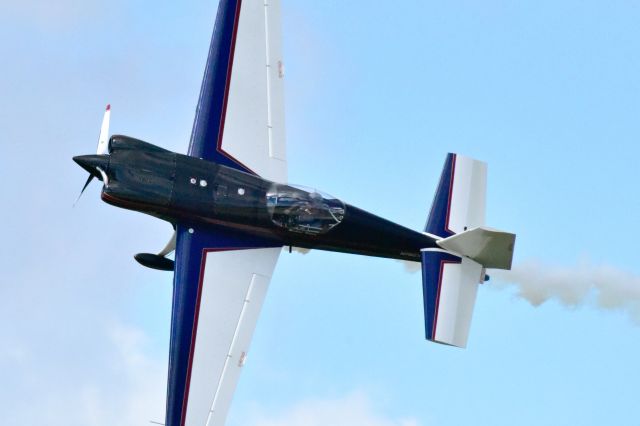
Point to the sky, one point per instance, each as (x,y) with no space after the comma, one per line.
(547,92)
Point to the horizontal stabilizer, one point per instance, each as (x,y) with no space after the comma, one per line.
(489,247)
(459,202)
(452,273)
(450,284)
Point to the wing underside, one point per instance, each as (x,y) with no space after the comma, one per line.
(221,277)
(240,114)
(219,285)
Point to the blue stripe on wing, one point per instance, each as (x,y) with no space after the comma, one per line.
(208,126)
(189,268)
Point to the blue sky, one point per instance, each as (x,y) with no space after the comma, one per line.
(546,92)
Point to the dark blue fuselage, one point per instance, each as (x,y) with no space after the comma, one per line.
(179,188)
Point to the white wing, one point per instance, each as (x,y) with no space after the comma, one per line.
(240,115)
(254,130)
(234,286)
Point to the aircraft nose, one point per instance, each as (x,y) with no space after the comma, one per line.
(91,163)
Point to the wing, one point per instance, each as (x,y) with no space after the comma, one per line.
(220,283)
(240,114)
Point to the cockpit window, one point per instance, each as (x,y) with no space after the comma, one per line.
(303,210)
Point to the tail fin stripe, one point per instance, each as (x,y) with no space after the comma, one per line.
(438,223)
(433,263)
(435,317)
(453,177)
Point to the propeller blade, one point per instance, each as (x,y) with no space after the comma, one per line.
(103,139)
(84,187)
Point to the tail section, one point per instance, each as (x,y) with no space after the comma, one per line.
(459,203)
(451,274)
(489,247)
(450,284)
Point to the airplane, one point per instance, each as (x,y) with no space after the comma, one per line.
(233,212)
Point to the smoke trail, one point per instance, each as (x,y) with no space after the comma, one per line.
(604,286)
(299,250)
(411,267)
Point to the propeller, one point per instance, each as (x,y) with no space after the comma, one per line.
(103,139)
(95,166)
(89,179)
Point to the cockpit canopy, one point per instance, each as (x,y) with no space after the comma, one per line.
(303,210)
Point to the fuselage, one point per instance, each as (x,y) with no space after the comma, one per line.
(182,189)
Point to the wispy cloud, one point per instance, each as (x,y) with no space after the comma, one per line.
(128,390)
(585,283)
(353,409)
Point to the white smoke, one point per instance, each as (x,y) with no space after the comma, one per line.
(602,286)
(297,249)
(411,267)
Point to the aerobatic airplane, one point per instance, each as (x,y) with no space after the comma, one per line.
(233,213)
